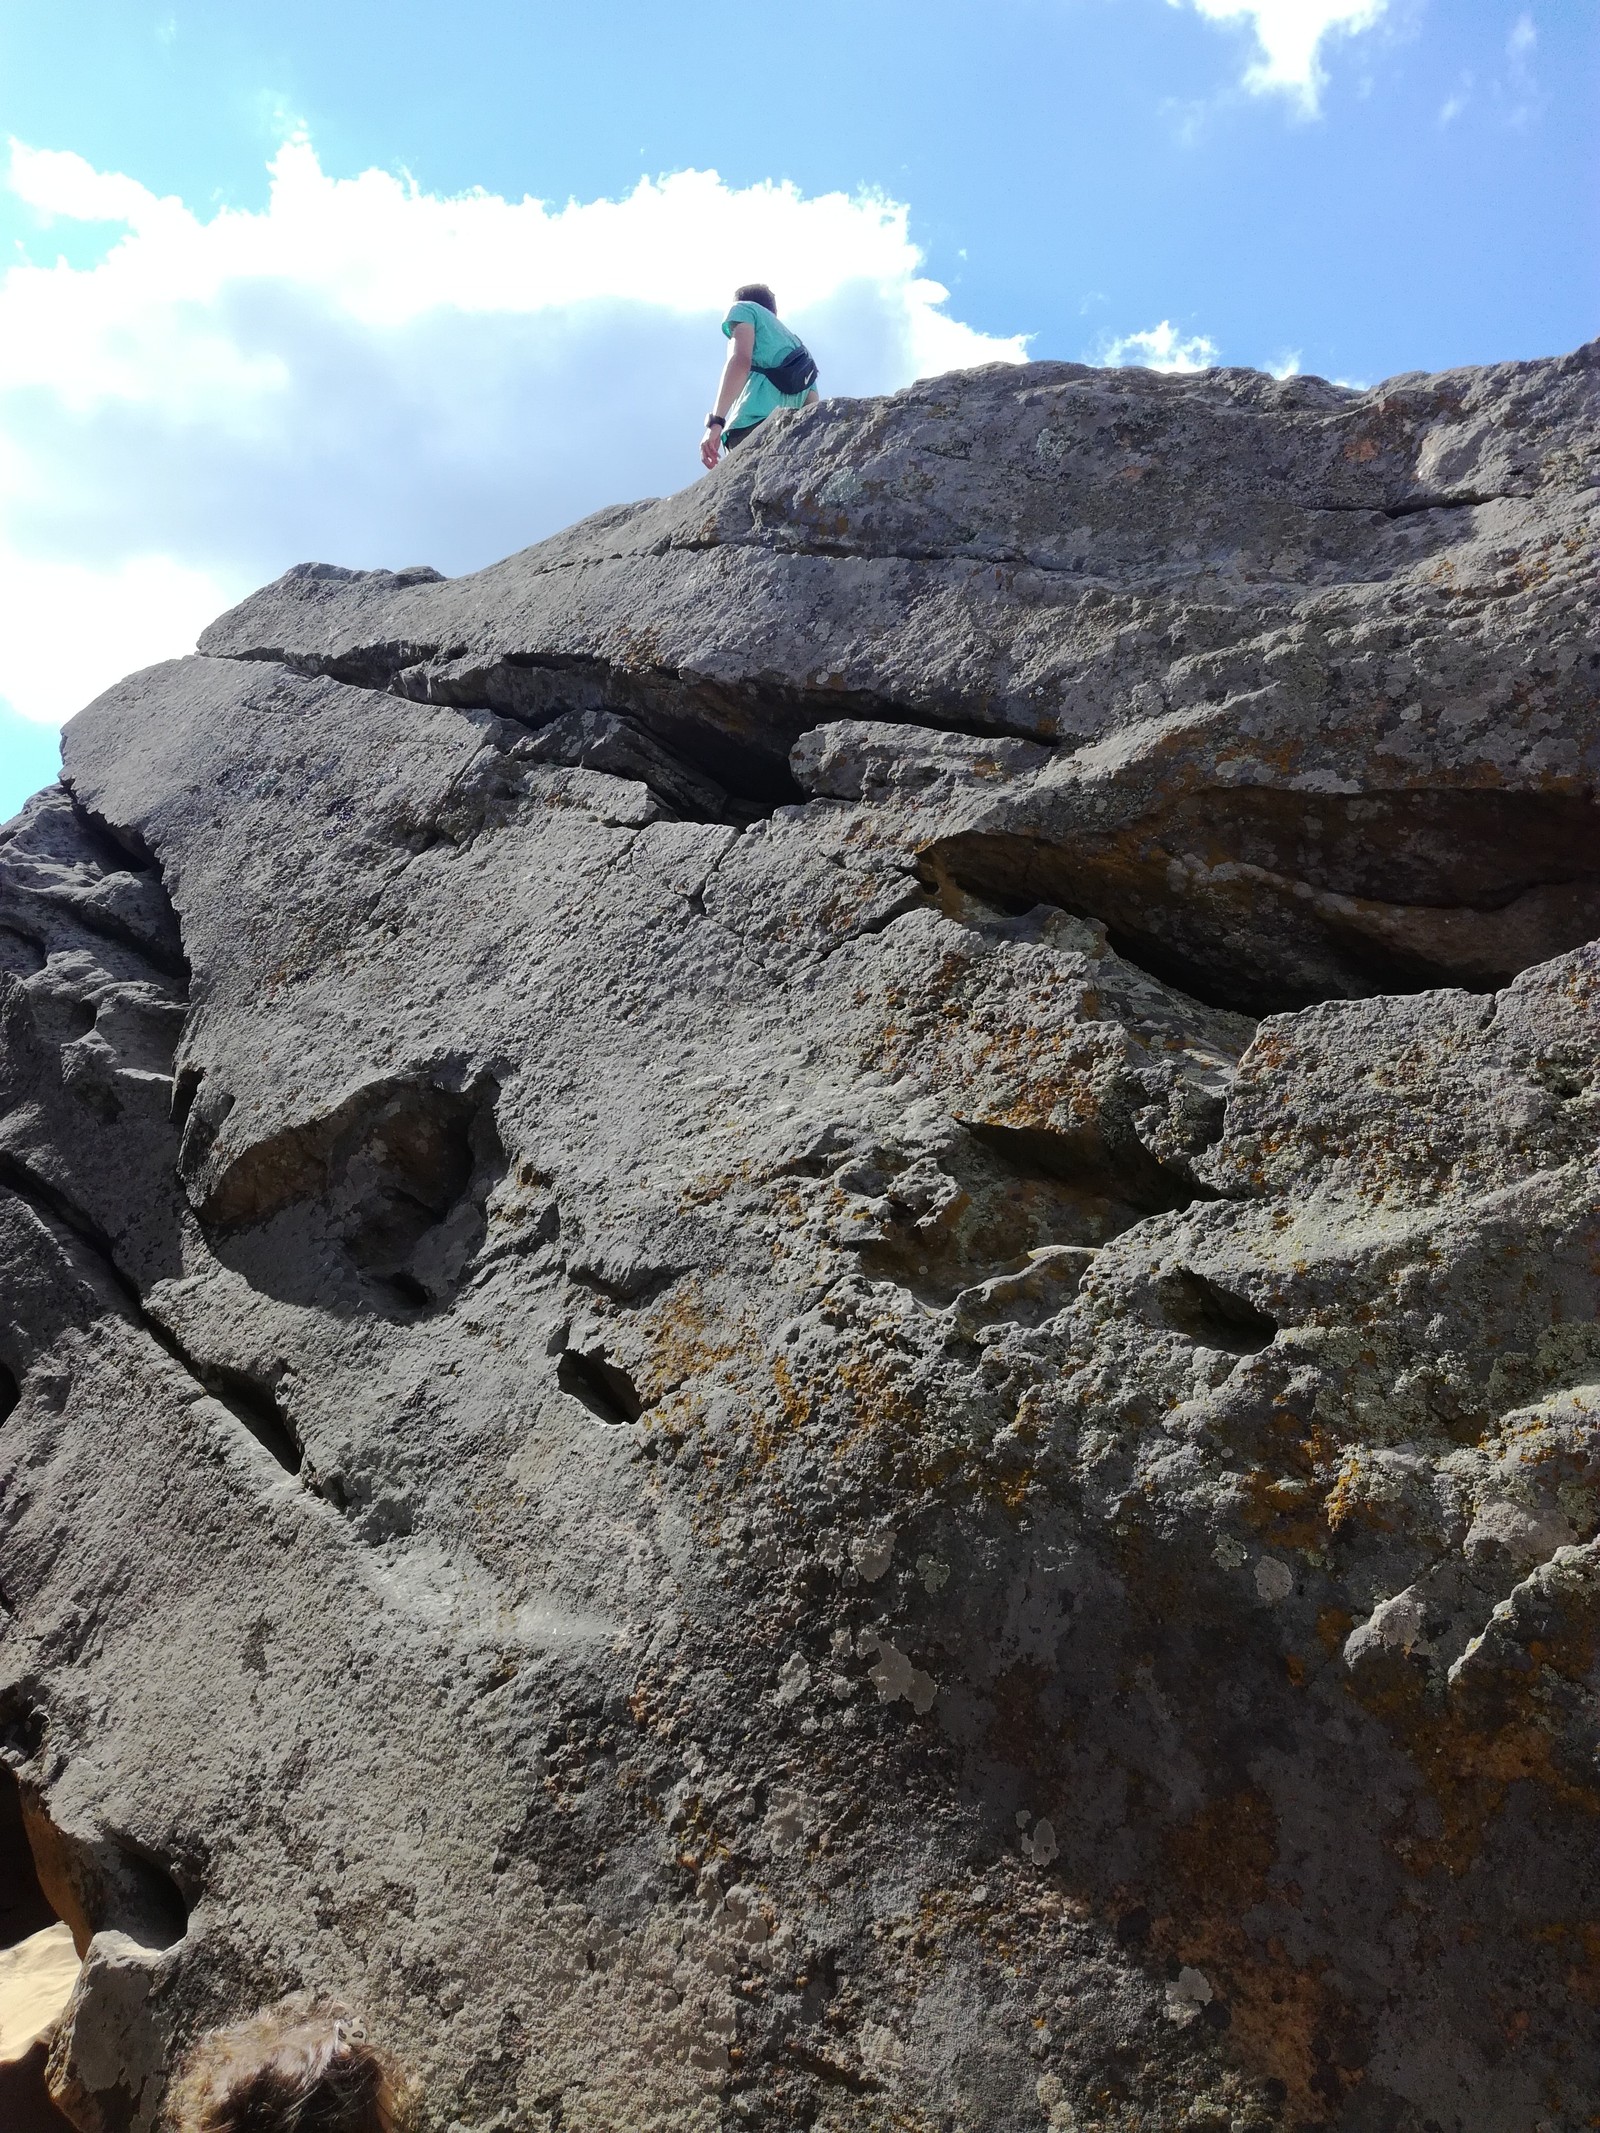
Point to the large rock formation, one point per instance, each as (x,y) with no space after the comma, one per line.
(695,1409)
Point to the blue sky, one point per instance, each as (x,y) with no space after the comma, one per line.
(271,291)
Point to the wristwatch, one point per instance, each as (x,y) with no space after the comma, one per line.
(716,422)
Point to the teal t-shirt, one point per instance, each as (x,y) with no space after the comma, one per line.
(773,343)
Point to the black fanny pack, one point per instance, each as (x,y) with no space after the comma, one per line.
(797,373)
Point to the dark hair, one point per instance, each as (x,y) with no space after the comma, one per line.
(756,292)
(295,2068)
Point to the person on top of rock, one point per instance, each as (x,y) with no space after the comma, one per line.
(295,2068)
(767,367)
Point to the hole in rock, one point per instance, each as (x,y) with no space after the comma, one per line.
(60,1019)
(687,732)
(10,1392)
(620,747)
(624,1277)
(22,1726)
(1213,1316)
(254,1402)
(414,1168)
(38,1964)
(609,1393)
(147,1900)
(1124,1171)
(135,908)
(1265,901)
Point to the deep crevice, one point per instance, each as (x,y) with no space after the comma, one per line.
(255,1408)
(24,1907)
(185,1088)
(1414,506)
(253,1402)
(128,853)
(737,735)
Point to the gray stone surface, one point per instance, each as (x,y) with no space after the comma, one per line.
(701,1415)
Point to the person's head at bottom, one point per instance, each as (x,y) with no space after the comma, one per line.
(296,2068)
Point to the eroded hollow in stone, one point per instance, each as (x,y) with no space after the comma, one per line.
(20,953)
(1214,1317)
(1266,900)
(1006,1192)
(397,1176)
(109,1882)
(737,734)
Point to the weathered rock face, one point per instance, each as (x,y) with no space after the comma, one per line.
(696,1410)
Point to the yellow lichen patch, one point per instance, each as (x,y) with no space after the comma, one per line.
(710,1186)
(772,1428)
(1362,1490)
(878,1396)
(684,1343)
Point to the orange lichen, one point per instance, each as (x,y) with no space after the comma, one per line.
(1285,2019)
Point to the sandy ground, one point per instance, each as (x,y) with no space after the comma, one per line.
(36,1980)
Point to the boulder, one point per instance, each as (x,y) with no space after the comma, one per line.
(802,1303)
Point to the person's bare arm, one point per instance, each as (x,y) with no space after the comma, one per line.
(735,374)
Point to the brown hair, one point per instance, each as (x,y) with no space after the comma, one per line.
(295,2068)
(756,292)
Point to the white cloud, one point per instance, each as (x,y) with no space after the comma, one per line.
(364,372)
(1286,366)
(1160,348)
(1289,35)
(69,630)
(1519,101)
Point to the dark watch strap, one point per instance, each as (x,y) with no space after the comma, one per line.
(716,422)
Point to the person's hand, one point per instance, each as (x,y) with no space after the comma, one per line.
(710,447)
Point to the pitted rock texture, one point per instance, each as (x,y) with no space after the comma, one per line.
(694,1409)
